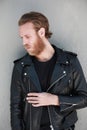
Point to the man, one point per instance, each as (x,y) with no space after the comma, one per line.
(48,84)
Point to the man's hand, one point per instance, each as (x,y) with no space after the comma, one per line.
(42,99)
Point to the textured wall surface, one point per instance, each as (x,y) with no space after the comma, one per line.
(68,22)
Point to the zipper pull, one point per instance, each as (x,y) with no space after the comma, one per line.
(51,127)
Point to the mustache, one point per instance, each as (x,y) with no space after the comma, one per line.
(27,46)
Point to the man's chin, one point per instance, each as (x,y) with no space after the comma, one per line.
(31,53)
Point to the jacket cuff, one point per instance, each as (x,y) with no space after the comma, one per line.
(65,104)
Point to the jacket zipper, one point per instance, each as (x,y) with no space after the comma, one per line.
(74,104)
(55,82)
(30,107)
(51,126)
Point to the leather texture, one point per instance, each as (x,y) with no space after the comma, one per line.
(67,81)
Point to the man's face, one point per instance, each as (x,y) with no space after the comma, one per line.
(31,39)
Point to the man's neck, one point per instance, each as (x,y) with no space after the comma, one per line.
(47,53)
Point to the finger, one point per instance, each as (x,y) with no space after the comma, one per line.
(33,102)
(33,94)
(32,98)
(36,105)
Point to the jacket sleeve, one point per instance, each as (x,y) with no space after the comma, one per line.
(78,99)
(16,100)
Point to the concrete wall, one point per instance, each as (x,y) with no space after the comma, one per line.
(68,21)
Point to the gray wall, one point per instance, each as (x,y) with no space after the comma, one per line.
(68,21)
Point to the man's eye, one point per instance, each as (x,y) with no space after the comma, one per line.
(27,37)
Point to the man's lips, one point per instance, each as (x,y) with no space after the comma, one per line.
(27,47)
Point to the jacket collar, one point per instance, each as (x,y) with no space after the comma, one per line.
(61,58)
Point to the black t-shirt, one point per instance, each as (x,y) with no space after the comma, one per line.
(44,71)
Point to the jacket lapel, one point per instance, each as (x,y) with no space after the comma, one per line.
(30,72)
(34,77)
(59,70)
(57,73)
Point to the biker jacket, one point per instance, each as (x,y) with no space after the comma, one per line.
(67,81)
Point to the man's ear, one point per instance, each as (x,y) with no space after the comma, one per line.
(41,32)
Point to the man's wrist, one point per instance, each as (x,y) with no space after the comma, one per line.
(55,100)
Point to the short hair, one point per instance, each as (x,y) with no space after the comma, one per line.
(38,20)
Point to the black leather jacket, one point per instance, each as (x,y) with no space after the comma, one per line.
(67,82)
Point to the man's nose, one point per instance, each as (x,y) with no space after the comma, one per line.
(25,41)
